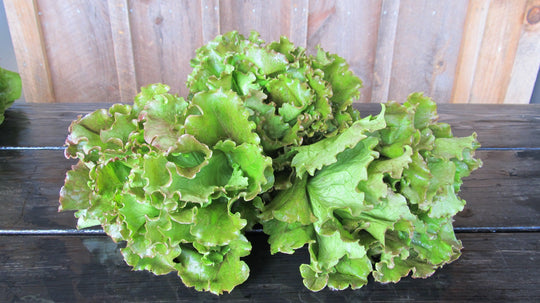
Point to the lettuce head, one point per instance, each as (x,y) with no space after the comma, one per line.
(267,136)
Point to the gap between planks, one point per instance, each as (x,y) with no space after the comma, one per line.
(99,232)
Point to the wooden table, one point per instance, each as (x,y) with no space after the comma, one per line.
(43,258)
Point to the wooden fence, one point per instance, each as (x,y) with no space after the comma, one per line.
(478,51)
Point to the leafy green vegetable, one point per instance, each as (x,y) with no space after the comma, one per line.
(268,135)
(10,90)
(294,99)
(163,177)
(378,198)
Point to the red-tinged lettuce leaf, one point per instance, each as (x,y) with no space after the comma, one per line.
(267,135)
(215,225)
(220,115)
(197,270)
(389,192)
(173,181)
(75,194)
(293,98)
(84,134)
(345,86)
(163,117)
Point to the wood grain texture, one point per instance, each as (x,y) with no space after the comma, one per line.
(348,29)
(81,55)
(165,41)
(31,182)
(504,192)
(462,51)
(527,60)
(492,268)
(475,23)
(386,38)
(28,43)
(427,48)
(210,19)
(498,51)
(271,19)
(497,126)
(123,49)
(41,125)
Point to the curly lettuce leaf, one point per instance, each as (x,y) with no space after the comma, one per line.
(172,180)
(268,135)
(10,90)
(380,198)
(293,98)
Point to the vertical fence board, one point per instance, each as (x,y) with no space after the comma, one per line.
(427,48)
(482,51)
(210,19)
(27,37)
(527,62)
(348,28)
(78,41)
(123,49)
(498,50)
(271,19)
(475,23)
(165,37)
(384,55)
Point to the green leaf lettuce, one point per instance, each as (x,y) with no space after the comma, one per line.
(377,200)
(10,90)
(163,178)
(268,135)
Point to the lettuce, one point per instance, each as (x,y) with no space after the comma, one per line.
(377,199)
(165,178)
(267,136)
(293,98)
(10,90)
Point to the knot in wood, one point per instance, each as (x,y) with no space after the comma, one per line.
(533,15)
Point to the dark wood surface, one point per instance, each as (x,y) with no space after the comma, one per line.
(43,258)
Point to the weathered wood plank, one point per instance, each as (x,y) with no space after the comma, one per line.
(504,193)
(271,19)
(165,37)
(493,267)
(210,19)
(498,51)
(386,38)
(497,126)
(348,29)
(123,49)
(78,39)
(32,58)
(427,48)
(527,62)
(41,124)
(475,23)
(29,189)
